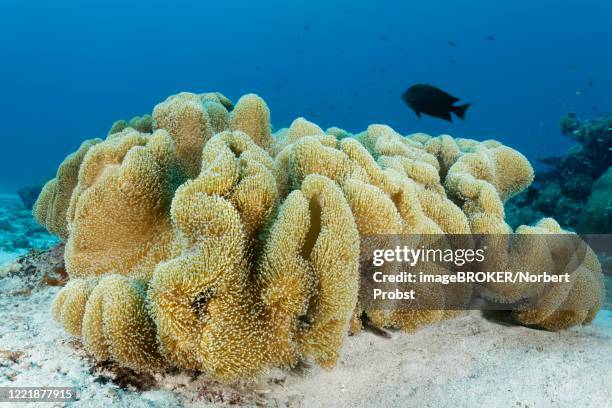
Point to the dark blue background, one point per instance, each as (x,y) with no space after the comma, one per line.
(68,69)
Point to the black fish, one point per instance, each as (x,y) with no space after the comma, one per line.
(490,38)
(427,99)
(452,43)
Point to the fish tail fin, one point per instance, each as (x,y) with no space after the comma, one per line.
(461,109)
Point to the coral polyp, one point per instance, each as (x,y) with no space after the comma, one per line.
(199,239)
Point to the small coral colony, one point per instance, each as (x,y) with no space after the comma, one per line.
(197,238)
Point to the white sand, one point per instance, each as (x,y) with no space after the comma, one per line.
(465,362)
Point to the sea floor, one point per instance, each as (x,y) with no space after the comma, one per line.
(19,232)
(475,360)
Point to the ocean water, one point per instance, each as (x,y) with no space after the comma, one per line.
(70,68)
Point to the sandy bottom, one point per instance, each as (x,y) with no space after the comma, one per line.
(466,362)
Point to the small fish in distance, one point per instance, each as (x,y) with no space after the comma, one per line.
(427,99)
(452,43)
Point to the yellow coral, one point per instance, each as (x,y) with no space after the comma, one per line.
(235,167)
(217,97)
(111,316)
(143,124)
(212,321)
(118,126)
(191,293)
(116,324)
(299,128)
(69,306)
(445,149)
(213,245)
(188,123)
(334,263)
(384,196)
(202,303)
(219,116)
(120,211)
(539,249)
(382,140)
(252,116)
(338,133)
(483,180)
(202,306)
(52,204)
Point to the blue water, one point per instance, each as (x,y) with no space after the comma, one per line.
(68,69)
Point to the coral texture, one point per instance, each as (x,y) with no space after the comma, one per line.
(119,215)
(208,243)
(51,207)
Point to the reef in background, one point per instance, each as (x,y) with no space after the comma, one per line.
(576,189)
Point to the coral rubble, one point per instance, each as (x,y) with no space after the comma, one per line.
(206,242)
